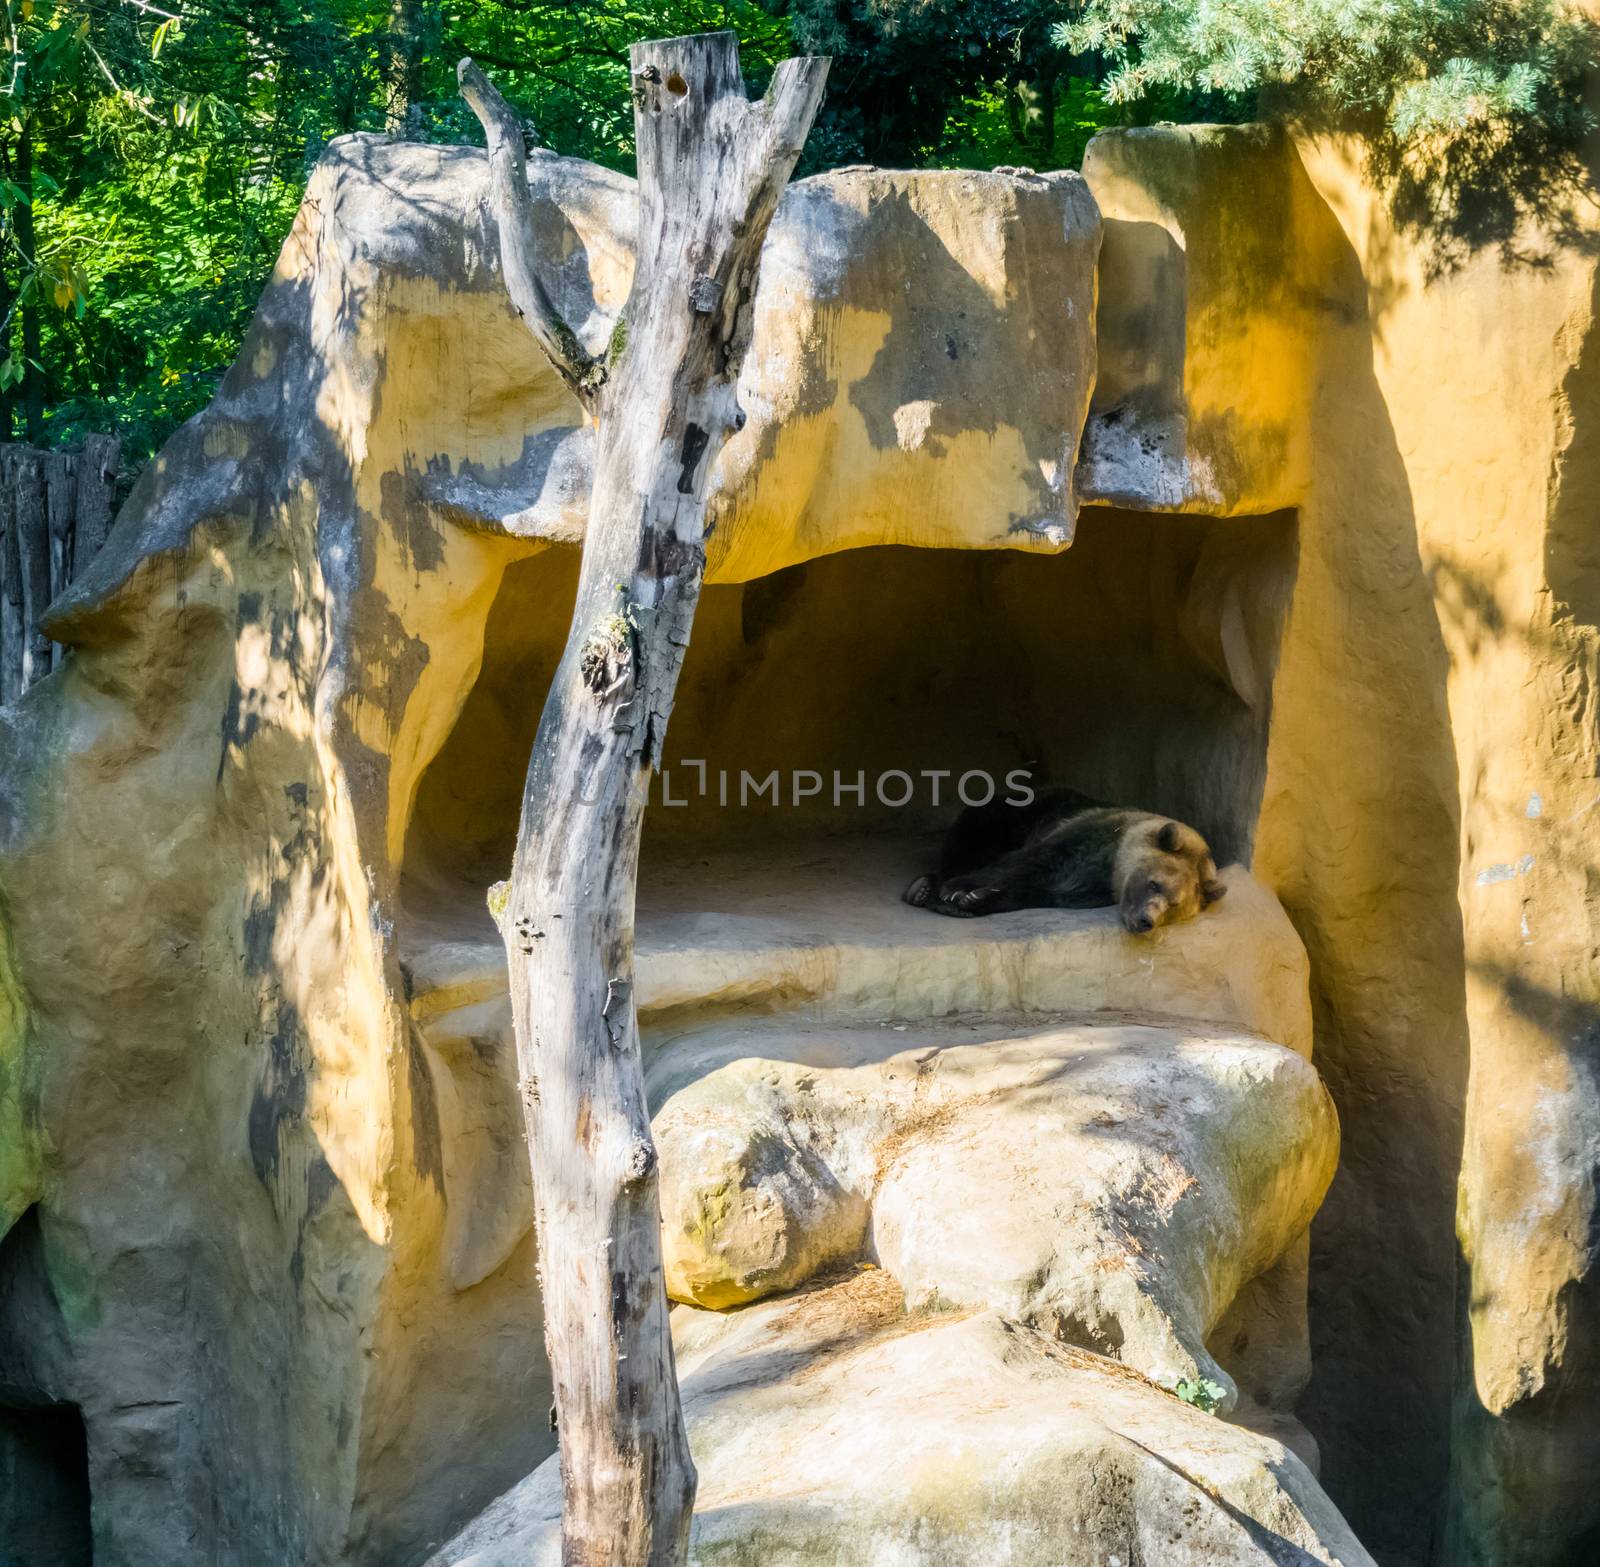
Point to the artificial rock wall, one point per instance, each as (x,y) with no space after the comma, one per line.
(224,1145)
(227,1148)
(1432,774)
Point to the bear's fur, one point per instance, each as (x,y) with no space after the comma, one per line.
(1066,851)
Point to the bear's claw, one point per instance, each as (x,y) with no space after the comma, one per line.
(971,897)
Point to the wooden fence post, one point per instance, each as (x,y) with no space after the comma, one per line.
(33,540)
(55,513)
(11,620)
(61,486)
(97,484)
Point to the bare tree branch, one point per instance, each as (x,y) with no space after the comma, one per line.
(513,211)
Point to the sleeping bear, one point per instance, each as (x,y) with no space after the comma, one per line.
(1066,851)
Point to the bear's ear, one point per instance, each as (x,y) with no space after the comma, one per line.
(1170,839)
(1212,891)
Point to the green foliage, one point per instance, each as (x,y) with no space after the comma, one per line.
(153,152)
(953,83)
(980,132)
(164,159)
(565,64)
(1202,1392)
(1427,68)
(158,151)
(1472,110)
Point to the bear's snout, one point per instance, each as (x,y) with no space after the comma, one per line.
(1140,921)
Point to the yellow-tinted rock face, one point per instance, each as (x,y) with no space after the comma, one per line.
(284,1238)
(19,1152)
(915,334)
(1428,817)
(1210,311)
(1459,607)
(254,1077)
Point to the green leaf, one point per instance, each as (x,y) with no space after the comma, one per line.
(1203,1393)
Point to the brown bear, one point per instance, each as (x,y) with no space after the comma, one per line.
(1066,851)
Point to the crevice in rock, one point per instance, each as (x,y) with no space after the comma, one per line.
(44,1445)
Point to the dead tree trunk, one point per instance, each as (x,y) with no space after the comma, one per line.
(27,243)
(711,168)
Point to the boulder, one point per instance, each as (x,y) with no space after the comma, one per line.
(1113,1183)
(834,1427)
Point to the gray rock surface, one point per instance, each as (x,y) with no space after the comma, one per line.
(833,1427)
(1112,1182)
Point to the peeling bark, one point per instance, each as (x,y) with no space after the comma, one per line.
(711,165)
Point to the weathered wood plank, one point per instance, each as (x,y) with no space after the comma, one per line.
(11,612)
(33,545)
(711,168)
(61,495)
(97,485)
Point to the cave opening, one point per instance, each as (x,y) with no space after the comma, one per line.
(44,1486)
(1136,666)
(44,1443)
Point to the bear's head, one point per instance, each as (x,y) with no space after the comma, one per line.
(1164,873)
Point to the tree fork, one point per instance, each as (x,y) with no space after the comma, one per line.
(712,166)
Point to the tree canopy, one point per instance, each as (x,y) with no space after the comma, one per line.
(153,152)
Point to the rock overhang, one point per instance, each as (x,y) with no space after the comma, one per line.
(936,334)
(386,308)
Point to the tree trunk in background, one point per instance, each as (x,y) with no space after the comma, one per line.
(1046,135)
(404,48)
(1016,116)
(33,380)
(711,168)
